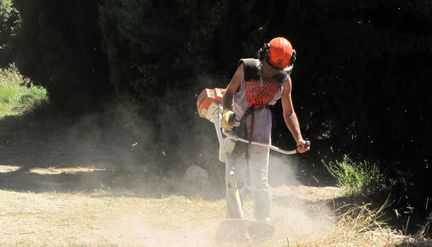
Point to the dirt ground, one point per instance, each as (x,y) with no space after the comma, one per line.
(101,218)
(74,186)
(74,206)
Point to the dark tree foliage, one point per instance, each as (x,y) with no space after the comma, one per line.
(367,93)
(9,23)
(361,86)
(58,46)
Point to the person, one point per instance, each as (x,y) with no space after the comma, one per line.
(256,85)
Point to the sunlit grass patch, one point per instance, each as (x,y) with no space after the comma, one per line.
(65,170)
(358,178)
(18,94)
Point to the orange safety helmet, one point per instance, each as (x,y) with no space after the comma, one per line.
(279,53)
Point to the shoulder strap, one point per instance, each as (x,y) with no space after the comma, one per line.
(250,68)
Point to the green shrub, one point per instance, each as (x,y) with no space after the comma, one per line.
(358,178)
(17,94)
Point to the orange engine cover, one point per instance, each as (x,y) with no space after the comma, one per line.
(209,101)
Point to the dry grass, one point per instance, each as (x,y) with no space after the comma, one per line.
(357,226)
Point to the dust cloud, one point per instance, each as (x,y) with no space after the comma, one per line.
(138,232)
(299,213)
(124,158)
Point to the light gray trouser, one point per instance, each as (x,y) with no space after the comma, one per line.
(257,163)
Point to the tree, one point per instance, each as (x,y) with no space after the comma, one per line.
(58,46)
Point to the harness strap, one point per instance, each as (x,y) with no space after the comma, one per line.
(243,132)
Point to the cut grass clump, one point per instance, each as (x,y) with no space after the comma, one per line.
(358,178)
(18,95)
(358,226)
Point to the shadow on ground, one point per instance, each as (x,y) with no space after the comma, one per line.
(111,151)
(40,153)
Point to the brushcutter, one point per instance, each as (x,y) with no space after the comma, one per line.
(209,107)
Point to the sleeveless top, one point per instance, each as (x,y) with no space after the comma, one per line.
(253,91)
(251,101)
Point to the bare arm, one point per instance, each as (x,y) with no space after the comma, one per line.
(290,116)
(232,88)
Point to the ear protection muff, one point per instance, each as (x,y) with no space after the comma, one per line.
(263,51)
(293,57)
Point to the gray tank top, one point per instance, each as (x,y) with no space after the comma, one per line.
(262,117)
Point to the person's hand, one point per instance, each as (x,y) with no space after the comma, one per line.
(303,146)
(228,119)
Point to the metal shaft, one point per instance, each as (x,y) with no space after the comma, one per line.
(271,147)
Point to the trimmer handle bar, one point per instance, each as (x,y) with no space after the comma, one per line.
(234,137)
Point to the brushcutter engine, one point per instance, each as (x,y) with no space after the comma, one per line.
(209,102)
(209,106)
